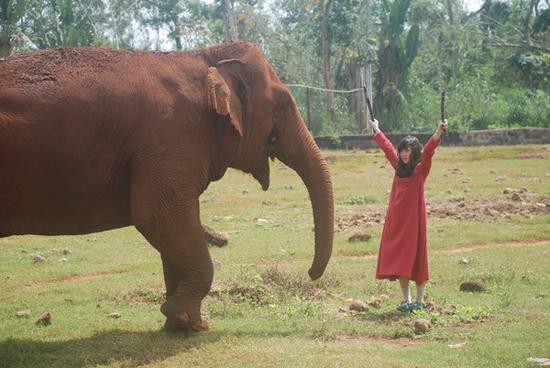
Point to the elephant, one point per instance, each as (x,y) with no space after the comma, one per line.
(93,139)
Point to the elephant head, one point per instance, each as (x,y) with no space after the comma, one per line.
(264,122)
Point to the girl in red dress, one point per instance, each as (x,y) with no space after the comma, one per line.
(403,252)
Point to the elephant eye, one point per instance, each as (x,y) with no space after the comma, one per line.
(272,138)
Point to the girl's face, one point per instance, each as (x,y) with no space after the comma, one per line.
(405,155)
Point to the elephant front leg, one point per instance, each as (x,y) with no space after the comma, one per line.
(173,228)
(187,283)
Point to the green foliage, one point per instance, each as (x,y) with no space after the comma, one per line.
(456,314)
(357,200)
(416,49)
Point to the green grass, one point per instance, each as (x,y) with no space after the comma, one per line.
(264,312)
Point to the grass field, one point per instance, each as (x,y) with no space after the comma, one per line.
(263,310)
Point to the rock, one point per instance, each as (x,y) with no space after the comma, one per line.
(421,326)
(63,259)
(37,258)
(358,306)
(466,190)
(448,191)
(465,261)
(213,237)
(23,314)
(262,221)
(245,191)
(516,197)
(501,178)
(359,237)
(114,315)
(507,191)
(66,251)
(473,286)
(457,346)
(45,319)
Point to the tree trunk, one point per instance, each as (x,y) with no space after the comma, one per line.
(230,26)
(177,30)
(5,46)
(454,42)
(484,20)
(326,5)
(527,23)
(368,68)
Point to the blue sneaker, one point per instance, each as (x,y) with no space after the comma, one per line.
(405,307)
(418,306)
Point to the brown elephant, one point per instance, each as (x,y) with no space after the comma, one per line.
(93,139)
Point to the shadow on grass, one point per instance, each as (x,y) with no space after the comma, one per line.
(129,349)
(121,348)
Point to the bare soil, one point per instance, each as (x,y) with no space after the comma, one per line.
(514,202)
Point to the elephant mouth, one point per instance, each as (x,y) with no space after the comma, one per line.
(262,174)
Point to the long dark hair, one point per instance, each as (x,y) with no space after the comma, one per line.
(405,170)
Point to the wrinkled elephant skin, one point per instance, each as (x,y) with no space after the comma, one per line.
(93,139)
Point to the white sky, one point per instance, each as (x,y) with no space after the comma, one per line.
(473,5)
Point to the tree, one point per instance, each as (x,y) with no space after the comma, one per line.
(396,52)
(11,12)
(229,15)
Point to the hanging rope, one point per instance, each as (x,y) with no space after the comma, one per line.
(326,89)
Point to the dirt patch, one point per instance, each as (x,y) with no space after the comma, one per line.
(514,202)
(511,204)
(72,278)
(537,154)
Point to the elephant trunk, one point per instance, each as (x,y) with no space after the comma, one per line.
(310,165)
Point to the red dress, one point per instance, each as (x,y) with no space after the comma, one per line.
(403,250)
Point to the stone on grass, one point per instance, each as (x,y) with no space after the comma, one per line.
(23,314)
(465,260)
(358,306)
(473,286)
(262,221)
(45,319)
(213,237)
(38,258)
(114,315)
(421,326)
(66,250)
(359,237)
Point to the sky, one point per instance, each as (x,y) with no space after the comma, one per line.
(473,5)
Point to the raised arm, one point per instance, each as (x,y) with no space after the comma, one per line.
(384,144)
(429,148)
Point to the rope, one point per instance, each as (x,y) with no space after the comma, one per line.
(325,89)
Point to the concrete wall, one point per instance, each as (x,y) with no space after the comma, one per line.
(473,138)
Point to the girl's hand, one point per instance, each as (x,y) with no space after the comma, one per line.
(374,125)
(441,128)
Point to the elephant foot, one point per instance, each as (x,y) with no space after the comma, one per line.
(182,315)
(173,325)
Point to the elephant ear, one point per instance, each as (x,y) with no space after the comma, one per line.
(223,100)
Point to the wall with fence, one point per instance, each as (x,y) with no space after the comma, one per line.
(473,138)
